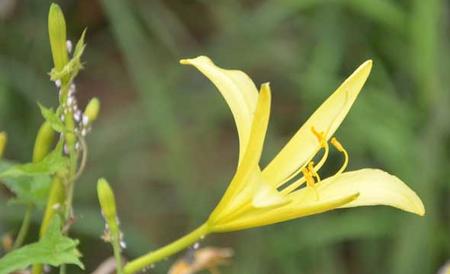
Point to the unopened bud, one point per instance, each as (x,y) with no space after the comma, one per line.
(92,109)
(44,141)
(3,140)
(57,35)
(107,203)
(56,198)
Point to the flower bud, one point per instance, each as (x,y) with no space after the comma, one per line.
(3,140)
(57,35)
(92,109)
(107,203)
(44,141)
(55,203)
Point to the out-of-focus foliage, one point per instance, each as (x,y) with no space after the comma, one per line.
(167,143)
(53,249)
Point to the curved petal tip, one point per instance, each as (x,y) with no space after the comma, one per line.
(376,187)
(188,61)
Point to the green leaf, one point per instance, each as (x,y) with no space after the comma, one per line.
(28,190)
(52,118)
(53,249)
(31,182)
(53,162)
(79,48)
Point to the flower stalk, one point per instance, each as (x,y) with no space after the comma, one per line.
(70,123)
(168,250)
(109,212)
(23,228)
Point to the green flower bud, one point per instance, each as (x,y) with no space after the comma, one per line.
(112,231)
(44,141)
(92,109)
(3,140)
(108,204)
(55,203)
(57,35)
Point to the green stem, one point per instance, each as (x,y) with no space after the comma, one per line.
(23,228)
(166,251)
(117,254)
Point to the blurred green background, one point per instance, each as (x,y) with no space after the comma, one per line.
(167,143)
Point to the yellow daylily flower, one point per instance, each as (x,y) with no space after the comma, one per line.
(290,185)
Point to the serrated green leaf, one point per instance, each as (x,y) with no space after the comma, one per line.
(53,249)
(52,118)
(28,190)
(52,163)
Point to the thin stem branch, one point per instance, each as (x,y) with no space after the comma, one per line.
(23,228)
(166,251)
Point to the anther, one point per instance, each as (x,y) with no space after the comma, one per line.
(337,144)
(340,148)
(308,175)
(323,144)
(320,137)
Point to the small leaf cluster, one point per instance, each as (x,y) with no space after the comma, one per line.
(53,249)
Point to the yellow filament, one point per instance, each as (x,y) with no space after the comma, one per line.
(294,185)
(292,175)
(313,171)
(323,144)
(310,171)
(340,148)
(323,159)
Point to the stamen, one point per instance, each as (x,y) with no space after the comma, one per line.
(294,185)
(324,156)
(310,172)
(340,148)
(308,175)
(313,171)
(320,137)
(323,144)
(292,175)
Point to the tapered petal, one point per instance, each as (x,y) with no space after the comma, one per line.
(238,90)
(261,217)
(375,187)
(248,173)
(327,118)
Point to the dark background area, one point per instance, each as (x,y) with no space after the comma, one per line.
(166,141)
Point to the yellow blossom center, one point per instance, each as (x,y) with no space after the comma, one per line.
(310,171)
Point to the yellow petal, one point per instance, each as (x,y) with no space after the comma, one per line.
(268,196)
(238,90)
(375,187)
(327,118)
(248,172)
(288,212)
